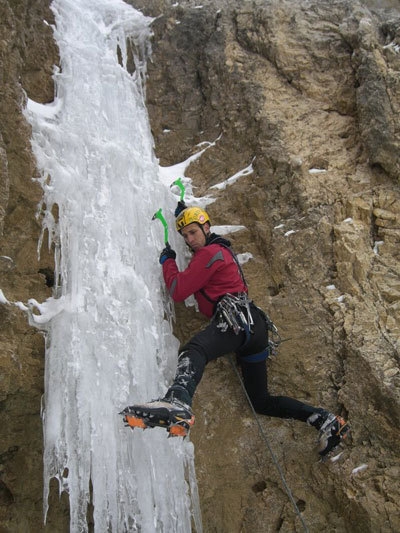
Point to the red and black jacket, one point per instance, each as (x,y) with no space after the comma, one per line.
(212,272)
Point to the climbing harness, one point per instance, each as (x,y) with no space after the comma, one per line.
(274,459)
(233,311)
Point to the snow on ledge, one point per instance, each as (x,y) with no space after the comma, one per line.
(225,230)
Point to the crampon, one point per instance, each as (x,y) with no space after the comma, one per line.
(176,418)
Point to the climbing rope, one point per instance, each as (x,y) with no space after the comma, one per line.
(264,436)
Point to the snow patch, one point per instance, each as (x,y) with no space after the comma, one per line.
(392,46)
(244,258)
(358,469)
(377,245)
(336,457)
(316,170)
(3,299)
(226,230)
(244,172)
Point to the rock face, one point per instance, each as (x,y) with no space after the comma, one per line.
(27,56)
(308,93)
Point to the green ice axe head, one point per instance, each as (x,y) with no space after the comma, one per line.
(160,217)
(179,183)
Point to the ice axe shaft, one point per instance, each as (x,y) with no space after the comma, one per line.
(160,217)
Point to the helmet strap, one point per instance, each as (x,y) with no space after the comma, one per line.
(206,235)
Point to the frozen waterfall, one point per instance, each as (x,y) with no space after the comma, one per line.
(107,341)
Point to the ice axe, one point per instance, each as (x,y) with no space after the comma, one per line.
(159,214)
(160,217)
(179,184)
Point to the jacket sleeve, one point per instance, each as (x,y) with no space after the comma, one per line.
(195,277)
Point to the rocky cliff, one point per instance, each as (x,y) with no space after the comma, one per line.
(308,92)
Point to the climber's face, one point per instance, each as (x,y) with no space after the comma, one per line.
(195,235)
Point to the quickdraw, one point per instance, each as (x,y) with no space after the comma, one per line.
(274,339)
(233,311)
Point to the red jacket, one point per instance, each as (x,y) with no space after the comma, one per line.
(211,273)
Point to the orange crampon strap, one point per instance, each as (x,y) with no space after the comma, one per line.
(344,427)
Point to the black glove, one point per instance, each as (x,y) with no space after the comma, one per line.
(167,253)
(180,207)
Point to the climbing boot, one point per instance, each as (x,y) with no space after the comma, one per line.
(171,414)
(332,430)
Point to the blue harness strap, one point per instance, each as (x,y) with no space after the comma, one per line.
(256,357)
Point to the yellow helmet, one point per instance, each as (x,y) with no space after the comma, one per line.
(190,215)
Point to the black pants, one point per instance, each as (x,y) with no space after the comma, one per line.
(211,343)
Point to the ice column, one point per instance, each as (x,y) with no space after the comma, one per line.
(107,341)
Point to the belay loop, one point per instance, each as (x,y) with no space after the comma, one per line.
(233,311)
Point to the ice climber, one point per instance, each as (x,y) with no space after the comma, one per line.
(237,325)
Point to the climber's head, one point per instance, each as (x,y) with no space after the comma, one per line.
(191,215)
(193,223)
